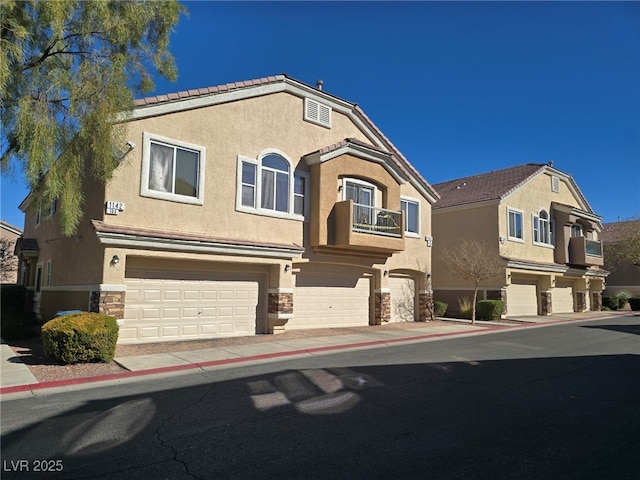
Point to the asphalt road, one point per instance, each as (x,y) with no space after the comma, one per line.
(559,402)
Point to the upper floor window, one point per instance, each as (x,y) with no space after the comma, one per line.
(39,214)
(172,170)
(267,186)
(411,209)
(542,228)
(515,225)
(53,206)
(576,230)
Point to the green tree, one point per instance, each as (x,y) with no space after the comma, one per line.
(68,69)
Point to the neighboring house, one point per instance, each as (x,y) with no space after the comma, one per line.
(626,277)
(250,207)
(538,221)
(10,236)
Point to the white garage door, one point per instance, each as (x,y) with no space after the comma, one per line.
(162,309)
(324,301)
(403,293)
(562,298)
(522,298)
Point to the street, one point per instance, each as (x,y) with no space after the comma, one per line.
(538,403)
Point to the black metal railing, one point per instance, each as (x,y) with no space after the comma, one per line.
(377,221)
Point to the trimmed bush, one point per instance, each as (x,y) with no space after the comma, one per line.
(439,308)
(634,303)
(489,309)
(610,302)
(81,338)
(623,298)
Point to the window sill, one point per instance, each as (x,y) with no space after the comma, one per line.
(271,213)
(544,245)
(169,197)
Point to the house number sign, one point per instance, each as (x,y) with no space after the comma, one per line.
(113,208)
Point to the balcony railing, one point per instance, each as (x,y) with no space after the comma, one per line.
(377,221)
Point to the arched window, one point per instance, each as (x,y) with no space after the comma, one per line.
(269,186)
(274,174)
(542,228)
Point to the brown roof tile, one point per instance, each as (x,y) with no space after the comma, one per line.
(485,186)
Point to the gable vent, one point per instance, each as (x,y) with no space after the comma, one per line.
(316,112)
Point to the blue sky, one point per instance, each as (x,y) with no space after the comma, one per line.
(459,87)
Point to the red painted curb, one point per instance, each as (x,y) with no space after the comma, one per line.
(266,356)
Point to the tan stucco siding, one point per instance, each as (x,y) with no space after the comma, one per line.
(244,128)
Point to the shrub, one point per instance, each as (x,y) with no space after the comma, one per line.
(439,308)
(466,307)
(623,298)
(634,303)
(489,309)
(610,302)
(81,338)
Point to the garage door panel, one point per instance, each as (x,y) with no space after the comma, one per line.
(522,299)
(562,298)
(158,309)
(323,301)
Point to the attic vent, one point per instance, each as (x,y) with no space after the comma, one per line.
(555,184)
(317,113)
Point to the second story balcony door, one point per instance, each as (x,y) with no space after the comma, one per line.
(363,197)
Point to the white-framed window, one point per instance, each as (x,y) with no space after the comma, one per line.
(514,225)
(542,229)
(269,186)
(39,214)
(48,274)
(555,184)
(53,206)
(576,230)
(316,112)
(411,209)
(172,170)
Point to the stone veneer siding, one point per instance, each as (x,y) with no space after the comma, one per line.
(109,303)
(426,311)
(581,301)
(281,303)
(383,307)
(546,303)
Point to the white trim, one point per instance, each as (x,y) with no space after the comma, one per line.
(555,183)
(212,247)
(509,237)
(145,191)
(319,108)
(48,274)
(407,233)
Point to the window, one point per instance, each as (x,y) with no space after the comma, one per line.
(47,278)
(172,170)
(542,228)
(266,186)
(317,113)
(411,209)
(576,230)
(53,206)
(38,279)
(515,225)
(39,214)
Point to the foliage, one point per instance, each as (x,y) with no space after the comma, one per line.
(476,261)
(490,309)
(634,303)
(439,308)
(623,246)
(466,307)
(17,322)
(67,71)
(8,262)
(612,303)
(623,298)
(81,337)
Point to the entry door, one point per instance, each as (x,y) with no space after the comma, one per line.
(363,197)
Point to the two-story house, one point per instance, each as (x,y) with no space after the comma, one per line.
(538,221)
(251,207)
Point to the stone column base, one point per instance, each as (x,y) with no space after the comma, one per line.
(426,310)
(383,307)
(109,303)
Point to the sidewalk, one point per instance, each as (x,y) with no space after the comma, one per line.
(16,377)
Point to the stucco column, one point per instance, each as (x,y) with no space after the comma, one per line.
(280,297)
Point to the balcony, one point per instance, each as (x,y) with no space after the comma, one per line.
(585,252)
(366,228)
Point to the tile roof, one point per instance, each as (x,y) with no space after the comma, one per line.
(612,232)
(485,186)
